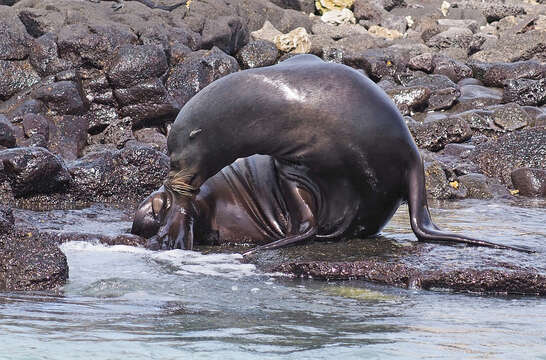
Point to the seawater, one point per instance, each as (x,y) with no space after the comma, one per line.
(130,303)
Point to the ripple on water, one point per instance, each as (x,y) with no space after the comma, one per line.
(130,302)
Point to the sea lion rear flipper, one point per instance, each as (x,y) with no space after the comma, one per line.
(422,224)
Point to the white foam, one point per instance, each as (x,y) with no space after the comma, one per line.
(195,263)
(183,261)
(95,246)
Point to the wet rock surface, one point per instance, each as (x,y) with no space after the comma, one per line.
(408,264)
(29,262)
(129,173)
(467,280)
(34,171)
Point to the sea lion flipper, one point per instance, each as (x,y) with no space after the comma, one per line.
(312,231)
(421,222)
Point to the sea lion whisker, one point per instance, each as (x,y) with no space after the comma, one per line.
(178,183)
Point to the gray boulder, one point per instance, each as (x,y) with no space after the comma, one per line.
(112,175)
(257,53)
(30,263)
(436,134)
(525,91)
(32,170)
(196,71)
(530,181)
(521,149)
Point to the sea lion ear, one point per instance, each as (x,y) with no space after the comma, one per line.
(194,133)
(157,204)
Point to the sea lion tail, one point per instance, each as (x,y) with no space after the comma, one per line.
(421,222)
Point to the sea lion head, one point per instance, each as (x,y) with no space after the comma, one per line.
(151,212)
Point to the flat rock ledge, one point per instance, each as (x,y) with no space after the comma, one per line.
(400,275)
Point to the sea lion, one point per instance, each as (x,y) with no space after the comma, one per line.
(339,161)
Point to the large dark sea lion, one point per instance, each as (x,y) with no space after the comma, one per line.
(337,159)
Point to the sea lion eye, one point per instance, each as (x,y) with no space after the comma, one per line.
(194,133)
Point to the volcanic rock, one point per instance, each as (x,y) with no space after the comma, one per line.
(129,173)
(196,71)
(33,170)
(520,149)
(529,181)
(435,135)
(257,53)
(525,91)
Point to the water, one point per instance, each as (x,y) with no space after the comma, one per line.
(124,302)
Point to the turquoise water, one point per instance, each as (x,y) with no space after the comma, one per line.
(130,303)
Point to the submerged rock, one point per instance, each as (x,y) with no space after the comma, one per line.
(467,280)
(406,264)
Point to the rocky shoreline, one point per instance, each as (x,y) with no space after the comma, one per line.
(88,89)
